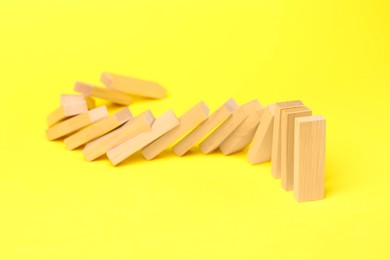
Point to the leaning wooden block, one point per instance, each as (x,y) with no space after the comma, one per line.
(287,144)
(216,119)
(309,160)
(71,105)
(191,119)
(276,149)
(214,140)
(75,123)
(129,130)
(261,147)
(133,86)
(103,93)
(243,135)
(98,129)
(161,125)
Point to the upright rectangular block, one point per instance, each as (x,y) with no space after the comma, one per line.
(216,119)
(71,105)
(161,125)
(114,96)
(214,140)
(275,158)
(133,86)
(188,122)
(287,144)
(309,160)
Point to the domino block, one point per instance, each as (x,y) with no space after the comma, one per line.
(114,96)
(71,105)
(133,86)
(75,123)
(98,129)
(309,160)
(276,137)
(216,119)
(188,121)
(243,135)
(287,143)
(161,125)
(214,140)
(130,129)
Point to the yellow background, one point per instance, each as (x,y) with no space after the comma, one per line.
(333,55)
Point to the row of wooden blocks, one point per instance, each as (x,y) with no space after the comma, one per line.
(285,133)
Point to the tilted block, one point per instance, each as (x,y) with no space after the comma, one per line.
(71,105)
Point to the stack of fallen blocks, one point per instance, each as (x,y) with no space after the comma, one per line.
(285,133)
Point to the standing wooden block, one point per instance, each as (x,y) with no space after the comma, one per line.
(98,129)
(103,93)
(71,105)
(275,158)
(216,119)
(75,123)
(243,135)
(309,160)
(161,125)
(129,130)
(287,144)
(214,140)
(133,86)
(191,119)
(261,147)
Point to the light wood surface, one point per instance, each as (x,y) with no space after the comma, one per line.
(71,105)
(161,125)
(200,132)
(188,121)
(309,160)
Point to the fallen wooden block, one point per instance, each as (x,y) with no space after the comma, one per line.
(70,99)
(216,119)
(98,129)
(161,125)
(214,140)
(243,135)
(103,93)
(71,105)
(287,143)
(309,160)
(187,122)
(75,123)
(276,149)
(130,129)
(261,146)
(133,86)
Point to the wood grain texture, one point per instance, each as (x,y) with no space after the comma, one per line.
(243,135)
(103,93)
(187,122)
(161,125)
(287,143)
(133,86)
(130,129)
(275,157)
(214,140)
(71,105)
(309,160)
(200,132)
(75,123)
(98,128)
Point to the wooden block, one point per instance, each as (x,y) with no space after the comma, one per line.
(75,123)
(216,119)
(98,128)
(275,157)
(161,125)
(214,140)
(187,122)
(69,99)
(103,93)
(71,105)
(287,144)
(133,86)
(309,160)
(243,135)
(130,129)
(261,147)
